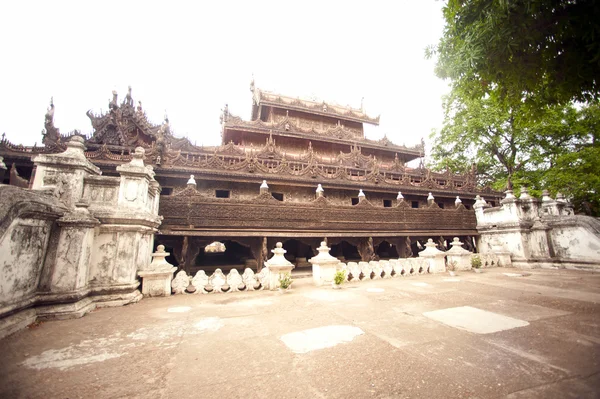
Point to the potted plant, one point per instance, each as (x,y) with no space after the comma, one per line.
(476,263)
(285,281)
(452,268)
(338,278)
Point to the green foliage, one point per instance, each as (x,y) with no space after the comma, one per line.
(339,277)
(475,261)
(515,69)
(285,280)
(544,51)
(555,147)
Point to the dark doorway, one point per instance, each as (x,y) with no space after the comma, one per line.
(234,256)
(297,251)
(385,250)
(346,250)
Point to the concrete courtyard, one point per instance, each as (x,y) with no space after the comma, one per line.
(488,335)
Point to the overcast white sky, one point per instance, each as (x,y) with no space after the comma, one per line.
(190,59)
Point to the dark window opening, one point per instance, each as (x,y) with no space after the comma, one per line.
(414,204)
(467,206)
(166,191)
(387,203)
(222,193)
(441,205)
(493,203)
(277,196)
(354,201)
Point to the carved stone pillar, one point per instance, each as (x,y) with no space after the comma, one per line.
(64,280)
(64,173)
(123,243)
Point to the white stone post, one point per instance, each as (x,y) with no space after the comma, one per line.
(319,192)
(277,266)
(435,257)
(478,206)
(66,266)
(324,266)
(264,188)
(457,255)
(549,206)
(123,243)
(430,199)
(156,278)
(361,195)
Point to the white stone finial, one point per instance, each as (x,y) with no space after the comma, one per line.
(400,196)
(560,197)
(191,181)
(524,194)
(546,196)
(158,260)
(430,197)
(319,188)
(264,184)
(457,201)
(509,194)
(360,193)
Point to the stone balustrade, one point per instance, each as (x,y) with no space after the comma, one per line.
(218,282)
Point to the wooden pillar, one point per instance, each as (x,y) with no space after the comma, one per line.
(365,249)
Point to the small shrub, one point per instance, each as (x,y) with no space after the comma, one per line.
(475,262)
(285,281)
(453,265)
(340,277)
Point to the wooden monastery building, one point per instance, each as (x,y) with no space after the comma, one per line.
(297,172)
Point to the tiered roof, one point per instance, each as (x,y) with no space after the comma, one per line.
(322,108)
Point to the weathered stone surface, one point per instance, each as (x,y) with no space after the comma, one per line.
(235,281)
(277,266)
(200,281)
(457,257)
(156,278)
(434,256)
(217,281)
(250,280)
(26,219)
(538,233)
(354,270)
(180,282)
(324,266)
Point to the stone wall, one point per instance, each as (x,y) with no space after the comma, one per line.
(539,233)
(76,240)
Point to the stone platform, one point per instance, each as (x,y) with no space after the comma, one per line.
(488,335)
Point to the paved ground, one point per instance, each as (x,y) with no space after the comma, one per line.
(384,338)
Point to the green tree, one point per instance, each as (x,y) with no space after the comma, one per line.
(516,68)
(554,148)
(544,51)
